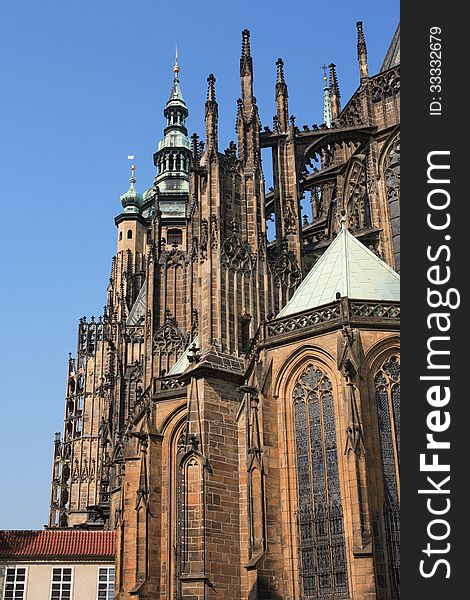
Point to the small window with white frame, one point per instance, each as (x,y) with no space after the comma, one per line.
(61,585)
(15,583)
(105,583)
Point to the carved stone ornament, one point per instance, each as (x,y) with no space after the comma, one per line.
(385,85)
(357,200)
(392,171)
(290,219)
(204,240)
(169,339)
(214,232)
(236,254)
(285,270)
(351,114)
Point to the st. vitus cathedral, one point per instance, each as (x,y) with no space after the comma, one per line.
(234,414)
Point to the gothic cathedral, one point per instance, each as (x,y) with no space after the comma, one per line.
(234,414)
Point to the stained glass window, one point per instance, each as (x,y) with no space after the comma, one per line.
(387,395)
(320,516)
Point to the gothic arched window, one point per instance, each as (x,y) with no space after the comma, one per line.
(387,395)
(189,550)
(320,516)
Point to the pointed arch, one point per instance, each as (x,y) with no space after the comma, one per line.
(387,396)
(190,539)
(289,372)
(383,361)
(322,543)
(289,369)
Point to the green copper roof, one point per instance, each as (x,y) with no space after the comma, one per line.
(173,152)
(137,312)
(132,200)
(174,139)
(176,95)
(392,58)
(182,363)
(351,269)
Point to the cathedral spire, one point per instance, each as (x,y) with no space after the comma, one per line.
(211,115)
(176,94)
(326,99)
(281,87)
(282,103)
(246,62)
(172,156)
(246,70)
(335,95)
(210,89)
(362,52)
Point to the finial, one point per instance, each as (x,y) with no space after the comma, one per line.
(334,93)
(246,62)
(327,117)
(343,221)
(211,88)
(132,179)
(361,42)
(195,147)
(362,52)
(325,79)
(334,80)
(176,68)
(211,115)
(281,95)
(246,43)
(280,70)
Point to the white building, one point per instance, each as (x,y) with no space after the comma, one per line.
(57,565)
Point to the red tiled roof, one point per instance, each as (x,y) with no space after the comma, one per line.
(65,543)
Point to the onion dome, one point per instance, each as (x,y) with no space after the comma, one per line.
(132,201)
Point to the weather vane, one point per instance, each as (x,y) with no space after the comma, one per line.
(131,157)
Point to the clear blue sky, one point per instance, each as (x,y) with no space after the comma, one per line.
(83,85)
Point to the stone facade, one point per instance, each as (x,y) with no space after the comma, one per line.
(237,453)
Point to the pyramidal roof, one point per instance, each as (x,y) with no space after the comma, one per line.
(347,267)
(176,95)
(392,58)
(182,363)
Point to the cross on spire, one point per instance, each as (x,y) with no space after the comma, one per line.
(131,157)
(176,68)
